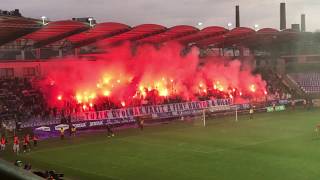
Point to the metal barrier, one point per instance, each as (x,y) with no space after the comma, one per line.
(9,171)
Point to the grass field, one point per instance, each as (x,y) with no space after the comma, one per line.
(281,145)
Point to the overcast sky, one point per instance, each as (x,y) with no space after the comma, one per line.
(172,12)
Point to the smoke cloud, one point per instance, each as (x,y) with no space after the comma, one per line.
(126,75)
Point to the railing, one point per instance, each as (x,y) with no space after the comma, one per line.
(9,171)
(294,85)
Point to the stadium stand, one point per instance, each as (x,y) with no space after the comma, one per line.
(19,100)
(276,86)
(308,82)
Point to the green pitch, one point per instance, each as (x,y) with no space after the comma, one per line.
(280,145)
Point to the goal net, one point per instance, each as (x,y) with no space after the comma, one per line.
(202,117)
(197,118)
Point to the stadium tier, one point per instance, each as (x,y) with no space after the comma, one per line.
(308,82)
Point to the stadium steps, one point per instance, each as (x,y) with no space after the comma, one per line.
(293,85)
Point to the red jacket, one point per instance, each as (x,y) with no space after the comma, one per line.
(16,140)
(25,141)
(3,141)
(27,138)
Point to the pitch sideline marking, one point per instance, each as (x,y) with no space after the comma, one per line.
(192,150)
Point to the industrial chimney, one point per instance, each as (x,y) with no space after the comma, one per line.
(283,23)
(237,16)
(303,23)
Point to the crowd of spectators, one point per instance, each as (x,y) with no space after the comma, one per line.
(18,100)
(275,85)
(21,100)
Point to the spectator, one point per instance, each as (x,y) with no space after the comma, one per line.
(3,143)
(35,140)
(61,133)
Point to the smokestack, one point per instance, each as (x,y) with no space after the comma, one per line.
(237,16)
(283,23)
(303,23)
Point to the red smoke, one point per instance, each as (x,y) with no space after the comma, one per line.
(130,76)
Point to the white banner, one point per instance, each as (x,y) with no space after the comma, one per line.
(63,126)
(214,105)
(43,128)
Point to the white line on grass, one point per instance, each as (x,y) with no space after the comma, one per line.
(246,145)
(167,147)
(213,151)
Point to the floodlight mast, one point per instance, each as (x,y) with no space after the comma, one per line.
(43,20)
(90,19)
(229,25)
(199,25)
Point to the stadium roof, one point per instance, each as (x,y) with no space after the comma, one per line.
(268,35)
(12,28)
(79,34)
(267,31)
(55,31)
(235,35)
(136,33)
(171,34)
(263,37)
(205,33)
(98,32)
